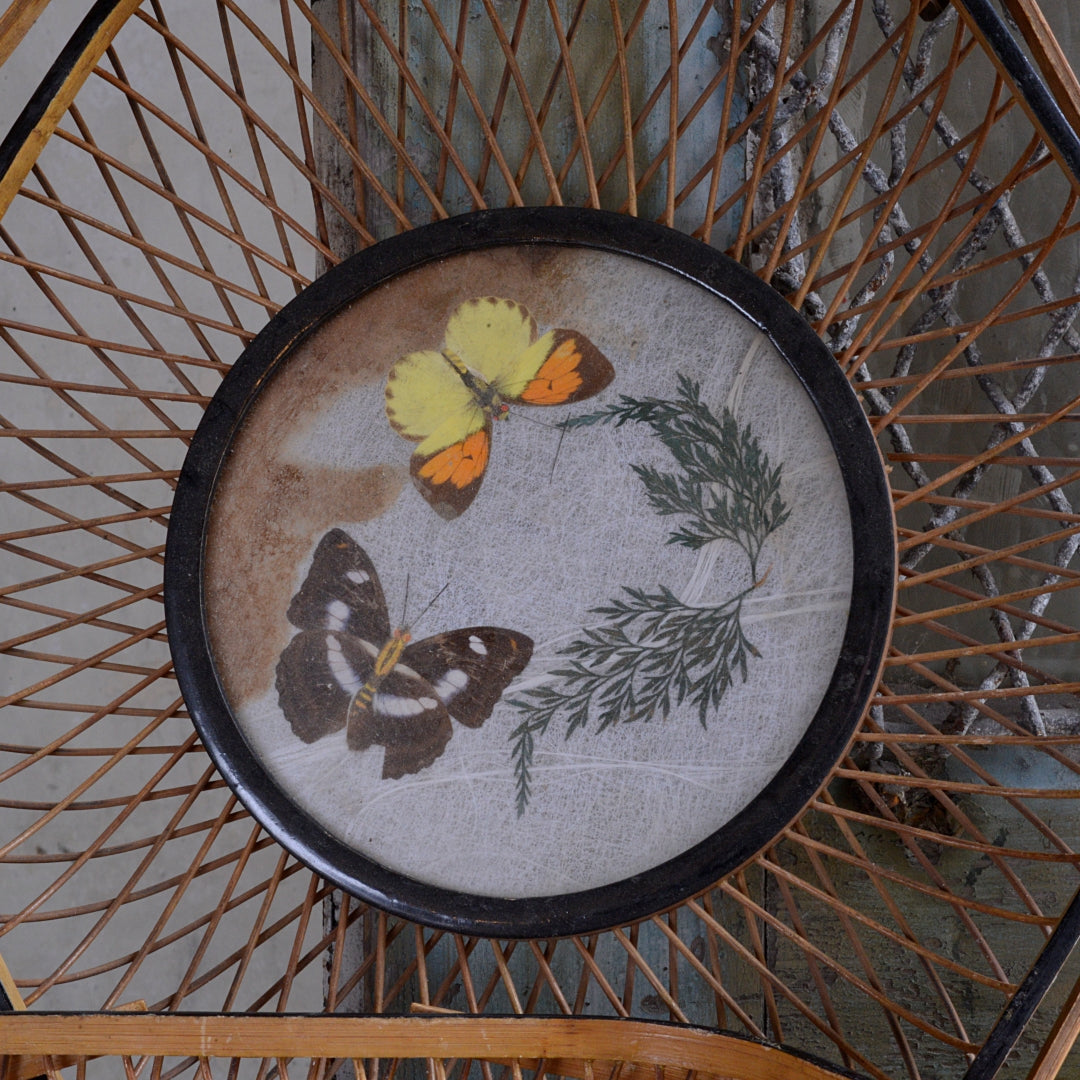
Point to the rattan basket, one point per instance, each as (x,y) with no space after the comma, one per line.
(905,179)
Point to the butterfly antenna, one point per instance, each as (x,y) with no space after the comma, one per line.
(405,605)
(431,603)
(558,448)
(518,415)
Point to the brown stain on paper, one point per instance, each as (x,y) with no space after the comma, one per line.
(292,507)
(270,509)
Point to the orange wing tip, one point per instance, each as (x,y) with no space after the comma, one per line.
(440,468)
(575,369)
(450,479)
(459,464)
(552,392)
(562,360)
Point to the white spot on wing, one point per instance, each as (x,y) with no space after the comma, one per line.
(477,645)
(340,667)
(451,684)
(358,577)
(393,705)
(337,615)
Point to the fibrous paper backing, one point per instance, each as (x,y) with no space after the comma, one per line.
(558,528)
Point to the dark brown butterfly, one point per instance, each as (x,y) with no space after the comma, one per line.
(349,668)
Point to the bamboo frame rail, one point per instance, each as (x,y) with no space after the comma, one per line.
(885,172)
(16,21)
(61,93)
(1055,1050)
(564,1046)
(1049,55)
(1056,108)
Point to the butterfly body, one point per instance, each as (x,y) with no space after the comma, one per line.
(491,358)
(385,662)
(487,397)
(348,669)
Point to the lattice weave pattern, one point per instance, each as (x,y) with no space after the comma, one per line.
(872,165)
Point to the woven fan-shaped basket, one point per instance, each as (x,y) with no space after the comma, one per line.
(905,179)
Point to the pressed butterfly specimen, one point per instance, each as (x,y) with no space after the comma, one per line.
(491,359)
(348,668)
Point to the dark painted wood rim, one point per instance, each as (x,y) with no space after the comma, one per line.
(853,681)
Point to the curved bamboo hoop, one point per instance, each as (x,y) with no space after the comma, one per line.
(16,22)
(61,93)
(575,1047)
(866,297)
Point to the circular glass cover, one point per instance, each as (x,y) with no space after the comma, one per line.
(530,571)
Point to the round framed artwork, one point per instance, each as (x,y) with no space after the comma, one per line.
(530,571)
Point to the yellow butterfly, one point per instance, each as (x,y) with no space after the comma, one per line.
(491,358)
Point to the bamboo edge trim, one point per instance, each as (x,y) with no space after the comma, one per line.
(10,998)
(57,106)
(1055,1050)
(1014,1018)
(1065,95)
(1049,56)
(983,23)
(16,22)
(36,1066)
(514,1038)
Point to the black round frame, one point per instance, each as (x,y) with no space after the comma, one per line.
(808,767)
